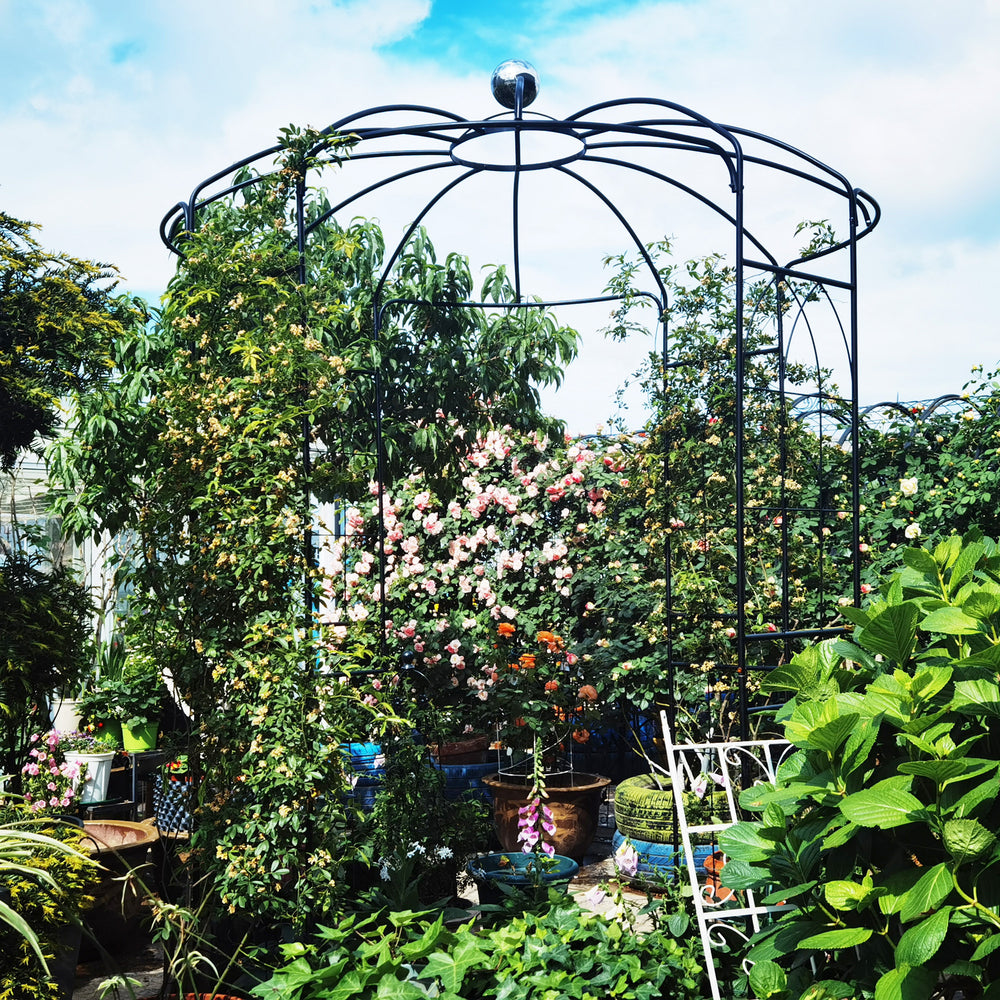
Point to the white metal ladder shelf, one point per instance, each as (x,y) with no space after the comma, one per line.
(688,763)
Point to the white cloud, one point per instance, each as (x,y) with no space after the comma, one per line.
(116,111)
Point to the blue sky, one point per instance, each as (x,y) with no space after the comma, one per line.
(112,110)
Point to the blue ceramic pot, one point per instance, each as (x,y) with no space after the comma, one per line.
(524,872)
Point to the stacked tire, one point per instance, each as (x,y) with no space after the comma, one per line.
(644,815)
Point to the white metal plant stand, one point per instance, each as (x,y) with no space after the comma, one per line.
(729,767)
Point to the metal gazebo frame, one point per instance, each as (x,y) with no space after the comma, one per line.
(641,141)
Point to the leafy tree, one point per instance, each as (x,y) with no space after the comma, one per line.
(196,451)
(59,317)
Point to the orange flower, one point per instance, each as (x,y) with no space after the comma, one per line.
(519,723)
(552,685)
(527,660)
(506,629)
(581,735)
(588,692)
(551,641)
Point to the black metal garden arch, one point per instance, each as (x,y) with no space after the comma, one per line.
(618,158)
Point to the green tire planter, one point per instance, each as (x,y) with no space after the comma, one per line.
(139,738)
(643,811)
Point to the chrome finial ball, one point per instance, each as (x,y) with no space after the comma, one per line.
(504,82)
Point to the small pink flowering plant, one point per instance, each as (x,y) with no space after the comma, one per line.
(48,779)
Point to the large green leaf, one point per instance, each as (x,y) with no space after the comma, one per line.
(930,891)
(921,942)
(950,621)
(923,562)
(883,805)
(829,736)
(743,842)
(767,979)
(967,838)
(842,937)
(971,553)
(851,651)
(784,894)
(741,875)
(842,895)
(977,697)
(892,633)
(939,771)
(986,947)
(806,719)
(981,604)
(906,983)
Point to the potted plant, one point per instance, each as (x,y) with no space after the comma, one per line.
(416,834)
(172,796)
(544,702)
(645,846)
(48,781)
(95,702)
(134,698)
(94,754)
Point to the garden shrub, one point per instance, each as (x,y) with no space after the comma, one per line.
(48,888)
(881,827)
(563,951)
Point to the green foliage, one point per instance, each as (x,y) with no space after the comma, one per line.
(678,501)
(884,816)
(564,951)
(417,838)
(45,881)
(44,624)
(58,318)
(193,454)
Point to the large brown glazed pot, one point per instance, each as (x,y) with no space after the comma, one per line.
(575,800)
(120,846)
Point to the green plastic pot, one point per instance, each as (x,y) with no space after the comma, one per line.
(139,738)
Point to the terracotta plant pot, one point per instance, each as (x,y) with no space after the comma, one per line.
(575,800)
(468,751)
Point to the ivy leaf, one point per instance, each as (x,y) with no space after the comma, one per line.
(451,966)
(928,894)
